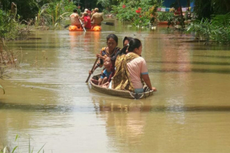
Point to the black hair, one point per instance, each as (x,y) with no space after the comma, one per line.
(126,38)
(113,36)
(134,43)
(123,50)
(75,10)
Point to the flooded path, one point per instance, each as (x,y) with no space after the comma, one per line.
(48,102)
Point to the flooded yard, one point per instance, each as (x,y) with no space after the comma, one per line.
(47,101)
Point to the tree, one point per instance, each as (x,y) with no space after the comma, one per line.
(206,8)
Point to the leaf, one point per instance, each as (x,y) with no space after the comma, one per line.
(3,89)
(41,148)
(17,136)
(14,149)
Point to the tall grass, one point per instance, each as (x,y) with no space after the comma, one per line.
(52,14)
(7,149)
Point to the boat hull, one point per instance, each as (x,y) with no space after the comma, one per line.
(120,93)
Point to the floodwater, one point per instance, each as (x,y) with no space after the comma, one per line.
(47,101)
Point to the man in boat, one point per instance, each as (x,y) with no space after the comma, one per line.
(75,19)
(97,18)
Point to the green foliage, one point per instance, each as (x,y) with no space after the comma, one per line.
(107,4)
(217,29)
(3,89)
(143,21)
(7,24)
(221,28)
(104,3)
(53,13)
(11,28)
(205,8)
(165,16)
(30,150)
(137,12)
(124,14)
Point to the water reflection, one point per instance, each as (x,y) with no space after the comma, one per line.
(103,106)
(86,40)
(131,124)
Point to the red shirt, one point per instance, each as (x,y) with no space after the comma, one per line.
(87,22)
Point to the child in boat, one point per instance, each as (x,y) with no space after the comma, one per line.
(106,72)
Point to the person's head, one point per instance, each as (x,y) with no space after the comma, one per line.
(125,45)
(112,41)
(75,10)
(85,13)
(126,41)
(135,46)
(107,63)
(96,10)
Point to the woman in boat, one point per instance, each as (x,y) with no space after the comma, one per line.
(126,41)
(131,69)
(118,55)
(110,50)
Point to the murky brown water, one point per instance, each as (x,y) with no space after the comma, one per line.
(48,101)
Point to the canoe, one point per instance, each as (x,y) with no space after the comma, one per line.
(75,28)
(119,93)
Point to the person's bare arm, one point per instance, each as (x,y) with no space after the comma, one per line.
(148,82)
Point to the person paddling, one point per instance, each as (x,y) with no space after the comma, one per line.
(110,50)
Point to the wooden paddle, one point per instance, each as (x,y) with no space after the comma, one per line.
(92,69)
(66,25)
(82,24)
(108,23)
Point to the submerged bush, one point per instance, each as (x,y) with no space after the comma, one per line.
(11,29)
(216,29)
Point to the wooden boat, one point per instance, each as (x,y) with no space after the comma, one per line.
(119,93)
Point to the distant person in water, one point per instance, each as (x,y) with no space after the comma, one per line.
(74,18)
